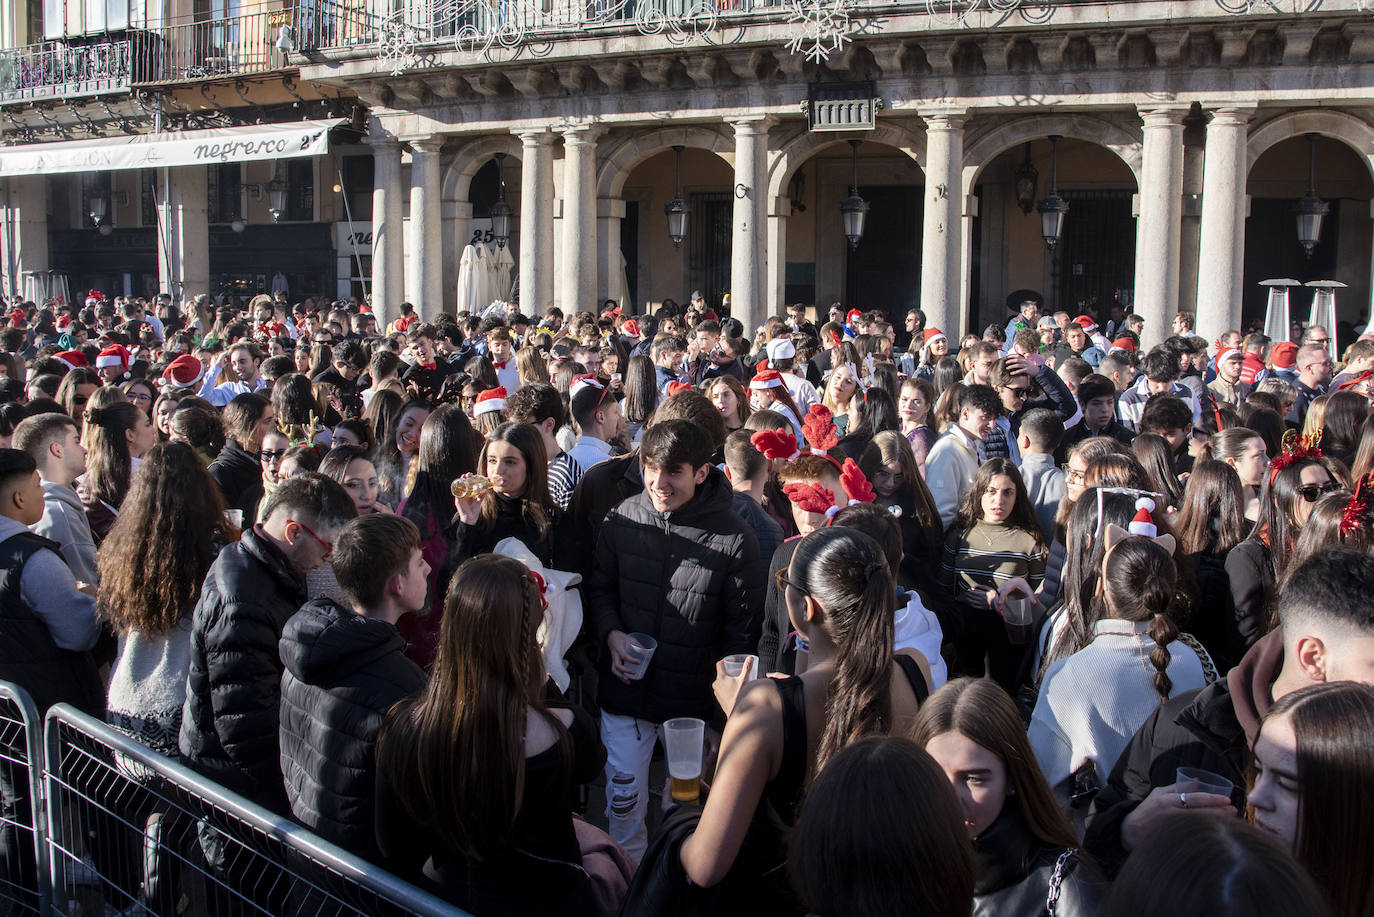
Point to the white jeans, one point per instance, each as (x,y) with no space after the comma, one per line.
(629,746)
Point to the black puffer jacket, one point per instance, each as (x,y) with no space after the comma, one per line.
(343,673)
(239,476)
(229,726)
(692,580)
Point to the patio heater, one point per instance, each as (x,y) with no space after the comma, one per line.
(1324,310)
(1277,326)
(677,210)
(854,209)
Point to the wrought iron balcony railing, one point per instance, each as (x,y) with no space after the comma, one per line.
(55,69)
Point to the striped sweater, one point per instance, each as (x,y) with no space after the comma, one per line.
(988,555)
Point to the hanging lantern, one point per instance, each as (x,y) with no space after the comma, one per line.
(677,210)
(1053,207)
(1311,209)
(854,209)
(500,212)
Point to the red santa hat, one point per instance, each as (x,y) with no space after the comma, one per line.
(1143,523)
(1125,344)
(73,358)
(769,378)
(851,315)
(115,355)
(1230,353)
(1086,323)
(493,399)
(183,372)
(930,335)
(631,327)
(17,317)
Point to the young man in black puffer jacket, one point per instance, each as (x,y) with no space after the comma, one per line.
(345,669)
(676,563)
(229,727)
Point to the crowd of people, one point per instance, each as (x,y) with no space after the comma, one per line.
(1042,623)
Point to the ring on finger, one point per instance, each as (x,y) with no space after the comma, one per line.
(1183,800)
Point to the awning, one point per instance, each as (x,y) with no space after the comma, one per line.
(171,148)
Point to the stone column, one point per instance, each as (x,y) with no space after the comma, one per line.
(577,268)
(424,284)
(610,283)
(388,259)
(942,228)
(1159,225)
(749,223)
(536,222)
(183,254)
(775,256)
(1221,250)
(24,235)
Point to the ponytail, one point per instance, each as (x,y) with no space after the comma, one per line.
(859,698)
(1163,631)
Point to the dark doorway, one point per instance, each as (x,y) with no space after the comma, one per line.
(1272,251)
(1096,254)
(708,246)
(884,272)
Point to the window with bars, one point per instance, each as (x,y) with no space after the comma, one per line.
(223,192)
(1096,254)
(708,245)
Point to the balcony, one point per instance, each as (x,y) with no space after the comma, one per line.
(62,70)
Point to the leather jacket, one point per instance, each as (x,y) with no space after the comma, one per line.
(1014,870)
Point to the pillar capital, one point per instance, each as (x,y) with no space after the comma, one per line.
(383,143)
(1162,116)
(581,134)
(427,145)
(1228,115)
(536,138)
(943,119)
(752,126)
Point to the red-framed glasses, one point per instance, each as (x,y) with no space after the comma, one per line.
(328,548)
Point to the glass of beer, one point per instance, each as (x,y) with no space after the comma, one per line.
(469,486)
(683,740)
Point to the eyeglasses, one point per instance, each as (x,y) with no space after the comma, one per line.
(1072,475)
(1310,492)
(143,397)
(328,548)
(784,582)
(1017,393)
(270,455)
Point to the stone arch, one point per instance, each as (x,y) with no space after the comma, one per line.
(1124,142)
(469,158)
(1338,125)
(784,163)
(614,169)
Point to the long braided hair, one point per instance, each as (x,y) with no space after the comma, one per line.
(1140,585)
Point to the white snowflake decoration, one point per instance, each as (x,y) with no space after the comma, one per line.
(397,42)
(823,27)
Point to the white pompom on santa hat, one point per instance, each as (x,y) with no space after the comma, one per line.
(1143,523)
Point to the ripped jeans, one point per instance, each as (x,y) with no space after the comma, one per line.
(629,746)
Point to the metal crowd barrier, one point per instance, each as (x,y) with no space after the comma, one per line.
(24,887)
(92,822)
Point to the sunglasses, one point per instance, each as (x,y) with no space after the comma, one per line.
(783,582)
(270,455)
(1311,492)
(328,548)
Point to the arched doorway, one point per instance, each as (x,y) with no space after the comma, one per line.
(1277,179)
(1093,264)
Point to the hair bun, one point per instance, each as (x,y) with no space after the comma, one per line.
(95,415)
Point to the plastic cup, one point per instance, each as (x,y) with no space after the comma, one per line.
(1197,780)
(683,740)
(641,647)
(737,663)
(235,517)
(1017,615)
